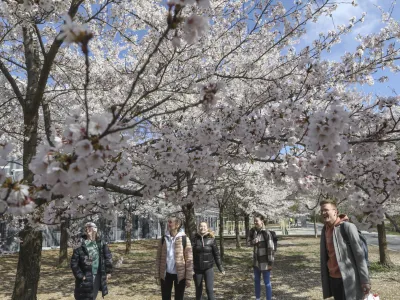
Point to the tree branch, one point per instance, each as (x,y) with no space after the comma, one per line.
(12,82)
(39,36)
(374,141)
(47,121)
(116,188)
(49,59)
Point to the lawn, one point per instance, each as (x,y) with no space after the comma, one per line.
(295,276)
(392,233)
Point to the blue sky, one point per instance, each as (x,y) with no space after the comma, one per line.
(372,23)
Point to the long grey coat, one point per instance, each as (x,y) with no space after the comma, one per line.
(351,260)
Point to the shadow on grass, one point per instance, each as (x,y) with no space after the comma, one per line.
(294,271)
(8,265)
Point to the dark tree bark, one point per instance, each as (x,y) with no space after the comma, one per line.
(145,228)
(247,225)
(190,220)
(221,206)
(221,233)
(37,74)
(237,232)
(162,227)
(28,270)
(384,258)
(188,209)
(128,233)
(315,225)
(63,255)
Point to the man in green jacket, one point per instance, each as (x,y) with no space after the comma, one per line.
(342,258)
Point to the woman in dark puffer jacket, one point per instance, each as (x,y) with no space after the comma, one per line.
(205,252)
(91,264)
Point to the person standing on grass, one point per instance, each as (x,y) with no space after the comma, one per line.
(91,264)
(174,261)
(205,253)
(344,270)
(263,256)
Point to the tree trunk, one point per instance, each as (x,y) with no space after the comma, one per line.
(63,255)
(221,233)
(384,258)
(30,143)
(247,225)
(315,225)
(190,220)
(237,233)
(28,270)
(30,253)
(30,107)
(162,227)
(128,233)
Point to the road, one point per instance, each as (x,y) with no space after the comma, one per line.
(392,240)
(372,237)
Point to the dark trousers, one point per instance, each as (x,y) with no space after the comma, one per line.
(337,288)
(166,287)
(96,285)
(208,276)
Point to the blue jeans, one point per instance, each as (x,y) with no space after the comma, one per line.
(267,282)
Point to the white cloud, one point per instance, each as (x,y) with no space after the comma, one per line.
(372,23)
(342,15)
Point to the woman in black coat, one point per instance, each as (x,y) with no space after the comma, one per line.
(205,253)
(91,264)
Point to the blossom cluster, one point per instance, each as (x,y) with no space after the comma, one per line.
(325,137)
(389,101)
(284,108)
(72,32)
(28,8)
(14,195)
(78,157)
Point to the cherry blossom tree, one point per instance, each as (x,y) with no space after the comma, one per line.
(147,98)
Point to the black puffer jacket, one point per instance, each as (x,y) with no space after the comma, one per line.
(205,252)
(80,268)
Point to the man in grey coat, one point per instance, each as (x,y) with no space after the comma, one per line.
(344,270)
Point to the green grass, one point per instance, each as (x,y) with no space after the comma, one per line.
(133,279)
(376,267)
(134,253)
(302,244)
(240,250)
(393,232)
(294,253)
